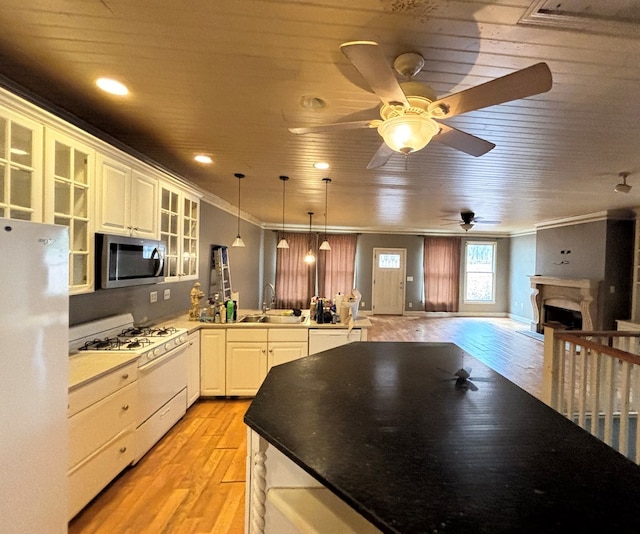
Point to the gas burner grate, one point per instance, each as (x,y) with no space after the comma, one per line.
(107,343)
(137,343)
(164,331)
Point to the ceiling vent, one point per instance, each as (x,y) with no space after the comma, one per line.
(613,17)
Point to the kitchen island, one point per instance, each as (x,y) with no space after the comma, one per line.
(398,443)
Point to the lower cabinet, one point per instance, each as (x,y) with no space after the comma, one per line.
(102,422)
(246,360)
(193,368)
(212,362)
(286,345)
(236,363)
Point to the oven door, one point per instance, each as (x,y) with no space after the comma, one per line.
(160,380)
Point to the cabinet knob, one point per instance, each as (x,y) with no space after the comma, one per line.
(125,407)
(125,376)
(123,449)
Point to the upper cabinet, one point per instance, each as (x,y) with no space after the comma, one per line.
(69,187)
(128,200)
(179,219)
(20,167)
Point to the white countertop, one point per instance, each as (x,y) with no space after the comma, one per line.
(86,367)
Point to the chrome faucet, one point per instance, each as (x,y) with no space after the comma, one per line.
(271,301)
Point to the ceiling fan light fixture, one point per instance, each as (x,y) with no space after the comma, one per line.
(623,187)
(408,133)
(466,226)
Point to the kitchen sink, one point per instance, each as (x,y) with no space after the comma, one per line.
(253,319)
(284,319)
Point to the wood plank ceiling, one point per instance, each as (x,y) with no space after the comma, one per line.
(227,79)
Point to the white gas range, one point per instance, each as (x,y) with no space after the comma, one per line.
(162,369)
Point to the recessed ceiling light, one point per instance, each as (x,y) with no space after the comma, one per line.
(321,165)
(111,86)
(203,158)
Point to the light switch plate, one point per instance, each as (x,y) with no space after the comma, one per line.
(153,297)
(167,294)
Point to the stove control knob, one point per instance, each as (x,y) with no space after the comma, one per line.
(169,345)
(156,352)
(182,339)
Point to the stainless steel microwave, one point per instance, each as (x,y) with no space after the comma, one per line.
(128,261)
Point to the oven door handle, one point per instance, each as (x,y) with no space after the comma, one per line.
(161,359)
(160,259)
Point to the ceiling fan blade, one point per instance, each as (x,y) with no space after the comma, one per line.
(482,221)
(462,141)
(520,84)
(335,126)
(368,59)
(381,157)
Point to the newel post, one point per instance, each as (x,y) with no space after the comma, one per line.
(551,368)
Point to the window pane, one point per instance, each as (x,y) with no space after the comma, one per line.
(479,287)
(480,272)
(389,261)
(21,144)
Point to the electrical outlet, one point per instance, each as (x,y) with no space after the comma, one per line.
(410,304)
(361,304)
(167,294)
(153,297)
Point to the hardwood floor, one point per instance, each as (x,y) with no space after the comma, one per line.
(192,481)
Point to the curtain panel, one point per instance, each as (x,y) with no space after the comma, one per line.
(441,273)
(336,267)
(295,279)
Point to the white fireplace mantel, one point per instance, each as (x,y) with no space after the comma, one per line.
(576,294)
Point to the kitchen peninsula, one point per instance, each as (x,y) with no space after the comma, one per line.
(385,436)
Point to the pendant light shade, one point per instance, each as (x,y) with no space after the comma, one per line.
(238,242)
(283,242)
(310,257)
(325,244)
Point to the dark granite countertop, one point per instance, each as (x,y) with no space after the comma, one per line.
(384,427)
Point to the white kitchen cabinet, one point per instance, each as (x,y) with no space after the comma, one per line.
(246,360)
(69,188)
(213,362)
(193,368)
(286,345)
(179,223)
(102,422)
(128,200)
(21,159)
(321,339)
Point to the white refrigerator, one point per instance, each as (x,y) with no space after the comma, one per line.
(34,310)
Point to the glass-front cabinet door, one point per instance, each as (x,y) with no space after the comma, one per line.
(20,167)
(190,237)
(69,202)
(179,218)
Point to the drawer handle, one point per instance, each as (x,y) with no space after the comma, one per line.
(125,376)
(125,407)
(123,449)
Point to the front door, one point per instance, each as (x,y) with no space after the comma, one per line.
(389,270)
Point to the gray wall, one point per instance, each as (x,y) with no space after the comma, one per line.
(522,263)
(600,250)
(216,227)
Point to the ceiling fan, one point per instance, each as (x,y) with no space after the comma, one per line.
(411,110)
(468,220)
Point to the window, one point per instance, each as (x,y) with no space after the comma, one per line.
(480,267)
(389,261)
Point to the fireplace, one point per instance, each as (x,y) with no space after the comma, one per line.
(572,302)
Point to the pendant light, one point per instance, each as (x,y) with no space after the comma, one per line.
(238,242)
(325,244)
(283,242)
(310,257)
